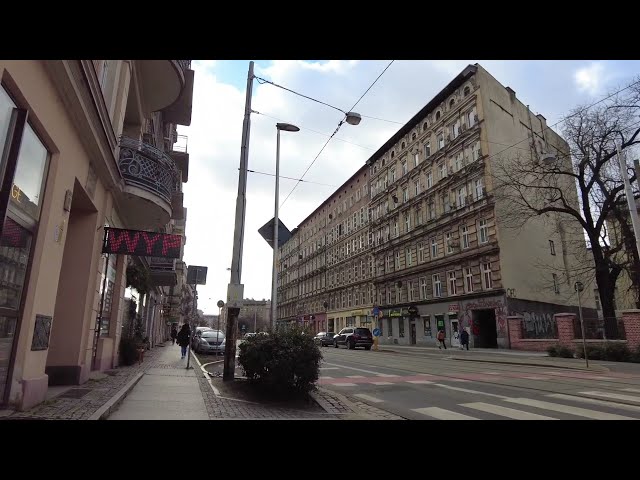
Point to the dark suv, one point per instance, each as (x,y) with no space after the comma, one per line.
(353,337)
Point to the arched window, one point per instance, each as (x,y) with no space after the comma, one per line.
(438,115)
(467,90)
(424,127)
(384,161)
(451,103)
(393,154)
(413,137)
(402,146)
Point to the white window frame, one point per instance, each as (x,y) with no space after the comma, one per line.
(405,166)
(408,256)
(487,283)
(407,221)
(396,263)
(410,296)
(437,285)
(451,279)
(434,248)
(479,187)
(462,196)
(465,236)
(423,288)
(427,149)
(483,231)
(468,280)
(449,241)
(421,256)
(405,195)
(429,179)
(416,158)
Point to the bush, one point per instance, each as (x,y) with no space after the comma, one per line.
(635,356)
(560,351)
(552,350)
(617,352)
(595,352)
(283,363)
(128,350)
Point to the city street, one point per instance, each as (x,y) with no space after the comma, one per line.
(434,384)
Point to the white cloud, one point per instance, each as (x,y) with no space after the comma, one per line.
(590,79)
(215,136)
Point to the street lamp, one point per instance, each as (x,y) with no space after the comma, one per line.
(287,127)
(579,288)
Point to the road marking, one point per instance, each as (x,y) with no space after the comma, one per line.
(420,382)
(557,407)
(442,414)
(343,384)
(506,412)
(622,406)
(362,370)
(616,396)
(533,377)
(491,373)
(381,383)
(326,378)
(455,380)
(636,390)
(329,368)
(368,398)
(469,391)
(355,376)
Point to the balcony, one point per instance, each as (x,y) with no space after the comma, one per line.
(163,272)
(163,83)
(180,154)
(151,179)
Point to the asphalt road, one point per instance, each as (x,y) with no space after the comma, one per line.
(438,385)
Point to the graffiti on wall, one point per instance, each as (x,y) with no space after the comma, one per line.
(496,304)
(538,325)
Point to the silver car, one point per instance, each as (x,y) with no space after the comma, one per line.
(211,341)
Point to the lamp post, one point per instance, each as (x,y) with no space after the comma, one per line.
(287,127)
(220,305)
(579,288)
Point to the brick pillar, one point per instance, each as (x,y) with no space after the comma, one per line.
(631,321)
(564,321)
(514,325)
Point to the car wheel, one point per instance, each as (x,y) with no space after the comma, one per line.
(351,345)
(367,347)
(335,343)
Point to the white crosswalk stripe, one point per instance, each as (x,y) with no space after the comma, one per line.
(557,407)
(420,382)
(615,396)
(636,390)
(355,376)
(594,401)
(506,411)
(382,383)
(442,414)
(344,385)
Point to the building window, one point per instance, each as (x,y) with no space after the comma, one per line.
(427,150)
(449,242)
(349,299)
(467,90)
(431,207)
(440,140)
(407,221)
(388,296)
(462,196)
(596,295)
(437,286)
(409,257)
(556,285)
(452,103)
(418,216)
(465,236)
(459,158)
(397,264)
(404,167)
(552,247)
(426,320)
(421,256)
(484,232)
(417,187)
(405,195)
(423,288)
(400,327)
(395,227)
(468,280)
(434,248)
(442,168)
(392,174)
(389,262)
(438,115)
(103,74)
(455,129)
(429,179)
(452,283)
(471,117)
(479,186)
(486,276)
(410,292)
(416,158)
(398,294)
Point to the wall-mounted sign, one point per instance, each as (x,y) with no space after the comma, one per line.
(454,307)
(395,312)
(412,310)
(135,242)
(196,275)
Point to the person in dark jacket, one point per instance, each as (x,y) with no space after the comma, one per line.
(183,339)
(174,335)
(464,339)
(441,337)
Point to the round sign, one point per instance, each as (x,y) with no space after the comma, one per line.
(220,304)
(376,332)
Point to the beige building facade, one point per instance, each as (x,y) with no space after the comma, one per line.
(85,144)
(437,254)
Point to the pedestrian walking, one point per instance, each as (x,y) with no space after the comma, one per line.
(183,339)
(440,338)
(174,335)
(464,339)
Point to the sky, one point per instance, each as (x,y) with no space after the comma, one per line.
(551,88)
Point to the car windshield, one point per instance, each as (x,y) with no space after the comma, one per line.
(362,331)
(330,334)
(212,333)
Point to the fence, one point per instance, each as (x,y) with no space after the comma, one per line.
(594,329)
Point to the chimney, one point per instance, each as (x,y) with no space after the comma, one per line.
(512,93)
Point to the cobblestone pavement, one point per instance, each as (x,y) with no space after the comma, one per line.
(92,394)
(341,405)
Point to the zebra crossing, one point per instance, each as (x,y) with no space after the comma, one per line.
(554,406)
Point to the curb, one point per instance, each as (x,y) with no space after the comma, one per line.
(103,412)
(331,410)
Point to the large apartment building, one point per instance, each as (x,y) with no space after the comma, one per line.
(85,144)
(435,253)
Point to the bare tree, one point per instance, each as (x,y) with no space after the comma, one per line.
(543,187)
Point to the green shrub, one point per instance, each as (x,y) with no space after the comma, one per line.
(284,363)
(128,350)
(595,352)
(553,350)
(565,352)
(635,356)
(617,352)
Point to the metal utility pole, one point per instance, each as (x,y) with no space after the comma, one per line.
(220,305)
(579,287)
(631,202)
(195,305)
(234,291)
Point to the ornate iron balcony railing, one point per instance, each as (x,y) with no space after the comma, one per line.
(185,64)
(147,167)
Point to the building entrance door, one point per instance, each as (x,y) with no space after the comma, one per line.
(455,333)
(412,329)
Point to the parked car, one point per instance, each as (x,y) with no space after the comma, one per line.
(210,341)
(324,339)
(196,335)
(353,337)
(249,335)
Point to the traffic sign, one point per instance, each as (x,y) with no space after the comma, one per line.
(376,332)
